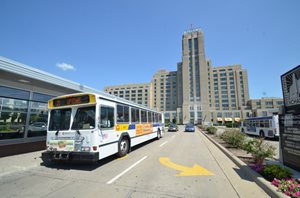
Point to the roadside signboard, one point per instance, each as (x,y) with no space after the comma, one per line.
(290,82)
(289,121)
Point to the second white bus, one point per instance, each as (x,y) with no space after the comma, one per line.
(261,126)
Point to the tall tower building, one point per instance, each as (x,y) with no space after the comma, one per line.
(194,70)
(197,92)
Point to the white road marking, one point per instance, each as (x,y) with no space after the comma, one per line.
(163,143)
(125,171)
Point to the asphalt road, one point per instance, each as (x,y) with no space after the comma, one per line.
(178,165)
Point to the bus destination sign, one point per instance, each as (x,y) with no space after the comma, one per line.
(71,101)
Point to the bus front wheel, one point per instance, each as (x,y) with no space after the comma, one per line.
(158,134)
(123,147)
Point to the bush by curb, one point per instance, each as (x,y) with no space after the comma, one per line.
(211,130)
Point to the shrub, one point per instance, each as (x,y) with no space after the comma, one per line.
(234,138)
(231,124)
(259,149)
(4,128)
(271,171)
(211,130)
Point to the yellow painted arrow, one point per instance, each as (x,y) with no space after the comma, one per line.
(196,170)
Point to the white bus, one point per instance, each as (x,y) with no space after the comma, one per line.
(261,126)
(90,127)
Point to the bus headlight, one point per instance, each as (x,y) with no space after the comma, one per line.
(85,148)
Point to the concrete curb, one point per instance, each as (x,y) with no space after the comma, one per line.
(259,180)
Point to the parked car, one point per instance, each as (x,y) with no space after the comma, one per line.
(189,128)
(173,127)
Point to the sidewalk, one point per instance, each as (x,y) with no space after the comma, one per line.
(241,182)
(18,163)
(264,184)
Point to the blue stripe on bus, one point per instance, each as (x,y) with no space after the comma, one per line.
(260,118)
(156,125)
(131,126)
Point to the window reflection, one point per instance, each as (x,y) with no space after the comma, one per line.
(38,119)
(12,118)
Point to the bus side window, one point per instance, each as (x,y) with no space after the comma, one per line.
(247,124)
(144,116)
(120,113)
(267,123)
(107,117)
(262,124)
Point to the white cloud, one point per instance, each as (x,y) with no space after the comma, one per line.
(65,66)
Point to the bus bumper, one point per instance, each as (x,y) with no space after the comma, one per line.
(49,156)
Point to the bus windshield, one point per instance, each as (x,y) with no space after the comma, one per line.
(60,119)
(84,118)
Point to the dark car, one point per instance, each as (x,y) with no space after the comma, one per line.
(173,127)
(189,128)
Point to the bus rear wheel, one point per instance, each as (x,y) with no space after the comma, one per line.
(123,147)
(261,134)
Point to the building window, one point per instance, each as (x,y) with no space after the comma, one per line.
(279,102)
(269,103)
(14,93)
(41,97)
(192,114)
(236,114)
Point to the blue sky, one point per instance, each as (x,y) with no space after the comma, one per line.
(118,42)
